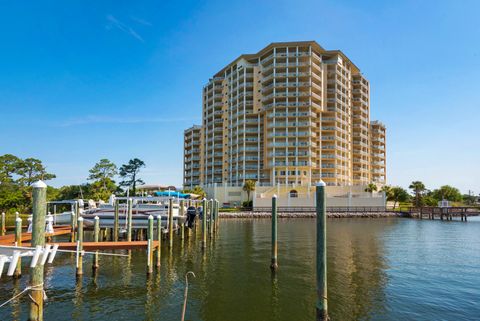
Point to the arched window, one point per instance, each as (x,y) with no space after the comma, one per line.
(293,193)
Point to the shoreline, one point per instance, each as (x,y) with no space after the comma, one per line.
(312,215)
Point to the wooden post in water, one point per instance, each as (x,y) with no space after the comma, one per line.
(116,222)
(322,310)
(18,242)
(96,232)
(159,236)
(182,226)
(72,224)
(2,225)
(79,247)
(274,263)
(204,223)
(210,217)
(129,219)
(217,209)
(214,217)
(170,222)
(39,209)
(150,245)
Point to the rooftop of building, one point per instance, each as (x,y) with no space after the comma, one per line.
(272,45)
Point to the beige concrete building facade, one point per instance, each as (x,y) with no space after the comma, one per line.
(291,114)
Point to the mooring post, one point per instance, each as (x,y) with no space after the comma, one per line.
(129,219)
(204,223)
(274,263)
(79,246)
(322,311)
(115,222)
(72,224)
(170,222)
(214,217)
(18,242)
(217,209)
(159,237)
(150,245)
(39,209)
(2,225)
(182,213)
(210,217)
(96,232)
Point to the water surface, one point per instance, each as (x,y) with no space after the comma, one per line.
(378,269)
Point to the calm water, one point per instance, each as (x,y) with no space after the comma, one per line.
(378,269)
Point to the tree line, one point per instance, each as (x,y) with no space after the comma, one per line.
(17,175)
(420,195)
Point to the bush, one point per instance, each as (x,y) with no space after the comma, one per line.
(247,204)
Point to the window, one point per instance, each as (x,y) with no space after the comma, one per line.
(293,193)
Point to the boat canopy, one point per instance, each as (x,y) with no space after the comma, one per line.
(172,194)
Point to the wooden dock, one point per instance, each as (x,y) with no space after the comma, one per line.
(93,246)
(443,213)
(9,239)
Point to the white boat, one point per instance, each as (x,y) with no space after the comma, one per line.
(142,208)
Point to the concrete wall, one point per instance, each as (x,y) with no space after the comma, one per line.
(337,196)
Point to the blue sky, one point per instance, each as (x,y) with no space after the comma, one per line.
(85,80)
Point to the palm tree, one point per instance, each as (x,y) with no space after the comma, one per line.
(399,195)
(371,188)
(249,186)
(418,188)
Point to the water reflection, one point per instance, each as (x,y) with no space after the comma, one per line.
(376,270)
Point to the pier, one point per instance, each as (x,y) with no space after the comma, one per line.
(443,213)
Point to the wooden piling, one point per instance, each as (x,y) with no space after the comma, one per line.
(39,209)
(321,207)
(274,262)
(96,232)
(18,242)
(79,271)
(210,217)
(204,223)
(214,217)
(217,217)
(150,245)
(182,213)
(170,222)
(159,237)
(73,226)
(129,219)
(2,225)
(116,222)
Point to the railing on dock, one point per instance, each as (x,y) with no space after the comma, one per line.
(312,209)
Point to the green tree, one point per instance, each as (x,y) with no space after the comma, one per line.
(371,188)
(418,189)
(448,193)
(70,192)
(399,194)
(103,172)
(388,192)
(129,172)
(469,199)
(249,186)
(31,170)
(196,190)
(9,165)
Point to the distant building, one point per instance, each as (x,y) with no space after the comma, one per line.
(291,114)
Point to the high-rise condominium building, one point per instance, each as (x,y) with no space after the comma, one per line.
(293,113)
